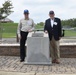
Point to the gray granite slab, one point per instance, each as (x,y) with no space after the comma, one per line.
(38,50)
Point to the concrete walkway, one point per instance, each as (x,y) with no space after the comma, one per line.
(18,73)
(15,73)
(12,66)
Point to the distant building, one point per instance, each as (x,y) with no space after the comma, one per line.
(6,20)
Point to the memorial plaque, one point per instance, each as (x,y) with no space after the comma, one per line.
(38,49)
(37,35)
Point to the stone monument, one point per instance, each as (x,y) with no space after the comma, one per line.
(38,49)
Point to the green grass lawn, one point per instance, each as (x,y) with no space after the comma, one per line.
(70,33)
(39,27)
(9,35)
(10,29)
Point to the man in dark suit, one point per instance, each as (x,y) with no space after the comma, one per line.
(54,30)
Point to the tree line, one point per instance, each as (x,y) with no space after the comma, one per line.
(69,22)
(65,23)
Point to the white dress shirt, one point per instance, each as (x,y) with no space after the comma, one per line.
(52,22)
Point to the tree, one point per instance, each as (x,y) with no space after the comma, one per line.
(41,23)
(69,22)
(6,9)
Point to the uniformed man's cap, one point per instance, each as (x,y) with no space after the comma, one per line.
(26,11)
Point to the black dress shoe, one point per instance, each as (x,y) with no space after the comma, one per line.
(21,60)
(54,61)
(57,62)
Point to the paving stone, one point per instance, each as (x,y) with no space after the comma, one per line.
(12,64)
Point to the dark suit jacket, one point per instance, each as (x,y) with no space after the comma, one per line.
(55,31)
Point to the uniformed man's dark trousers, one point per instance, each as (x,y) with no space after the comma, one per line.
(22,45)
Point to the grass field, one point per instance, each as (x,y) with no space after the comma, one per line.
(10,29)
(70,33)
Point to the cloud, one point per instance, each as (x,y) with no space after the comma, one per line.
(39,9)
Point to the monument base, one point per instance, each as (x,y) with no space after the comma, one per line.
(37,63)
(38,49)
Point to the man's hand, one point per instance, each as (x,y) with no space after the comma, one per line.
(46,32)
(60,38)
(19,36)
(30,31)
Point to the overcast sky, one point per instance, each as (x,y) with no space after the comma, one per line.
(39,9)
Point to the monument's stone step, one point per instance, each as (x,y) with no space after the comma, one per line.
(66,50)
